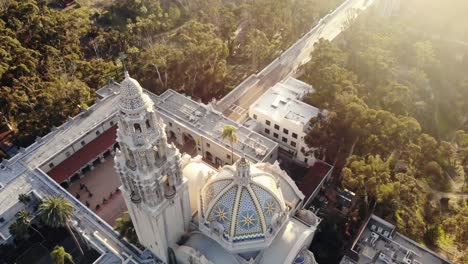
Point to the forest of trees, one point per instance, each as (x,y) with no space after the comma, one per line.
(54,55)
(395,126)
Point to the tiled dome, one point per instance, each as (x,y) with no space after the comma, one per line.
(131,94)
(246,207)
(304,257)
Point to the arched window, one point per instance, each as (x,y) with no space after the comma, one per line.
(148,124)
(137,127)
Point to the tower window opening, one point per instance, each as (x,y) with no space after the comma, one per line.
(148,125)
(137,127)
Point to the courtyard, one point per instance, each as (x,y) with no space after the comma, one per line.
(99,191)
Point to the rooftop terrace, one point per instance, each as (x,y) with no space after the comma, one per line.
(101,236)
(209,123)
(380,243)
(283,101)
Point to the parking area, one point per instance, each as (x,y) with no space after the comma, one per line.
(237,109)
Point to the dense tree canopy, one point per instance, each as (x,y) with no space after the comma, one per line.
(192,60)
(393,122)
(52,58)
(44,74)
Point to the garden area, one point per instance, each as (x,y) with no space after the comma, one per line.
(42,233)
(38,250)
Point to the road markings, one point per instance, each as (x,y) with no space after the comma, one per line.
(237,109)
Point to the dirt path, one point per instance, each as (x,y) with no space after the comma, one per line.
(439,195)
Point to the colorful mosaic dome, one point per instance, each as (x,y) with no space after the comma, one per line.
(304,257)
(244,206)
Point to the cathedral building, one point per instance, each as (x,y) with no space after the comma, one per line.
(186,210)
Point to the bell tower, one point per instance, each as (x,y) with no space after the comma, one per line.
(155,193)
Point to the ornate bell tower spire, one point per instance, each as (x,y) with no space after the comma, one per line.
(150,171)
(144,152)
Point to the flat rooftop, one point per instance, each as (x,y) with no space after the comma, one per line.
(283,102)
(59,138)
(209,123)
(380,243)
(101,235)
(176,106)
(21,174)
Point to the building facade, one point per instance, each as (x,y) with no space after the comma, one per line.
(152,184)
(241,213)
(281,116)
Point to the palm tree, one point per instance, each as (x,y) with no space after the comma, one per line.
(18,230)
(229,132)
(59,255)
(56,212)
(24,198)
(23,218)
(124,226)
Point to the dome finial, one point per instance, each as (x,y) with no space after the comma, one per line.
(243,170)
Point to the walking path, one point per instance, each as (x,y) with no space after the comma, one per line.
(439,194)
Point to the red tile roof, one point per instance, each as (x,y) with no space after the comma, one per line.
(83,156)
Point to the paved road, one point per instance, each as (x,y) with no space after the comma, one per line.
(235,105)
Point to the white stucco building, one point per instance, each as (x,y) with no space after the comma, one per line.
(281,115)
(185,209)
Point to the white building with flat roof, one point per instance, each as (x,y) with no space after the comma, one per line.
(282,116)
(379,242)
